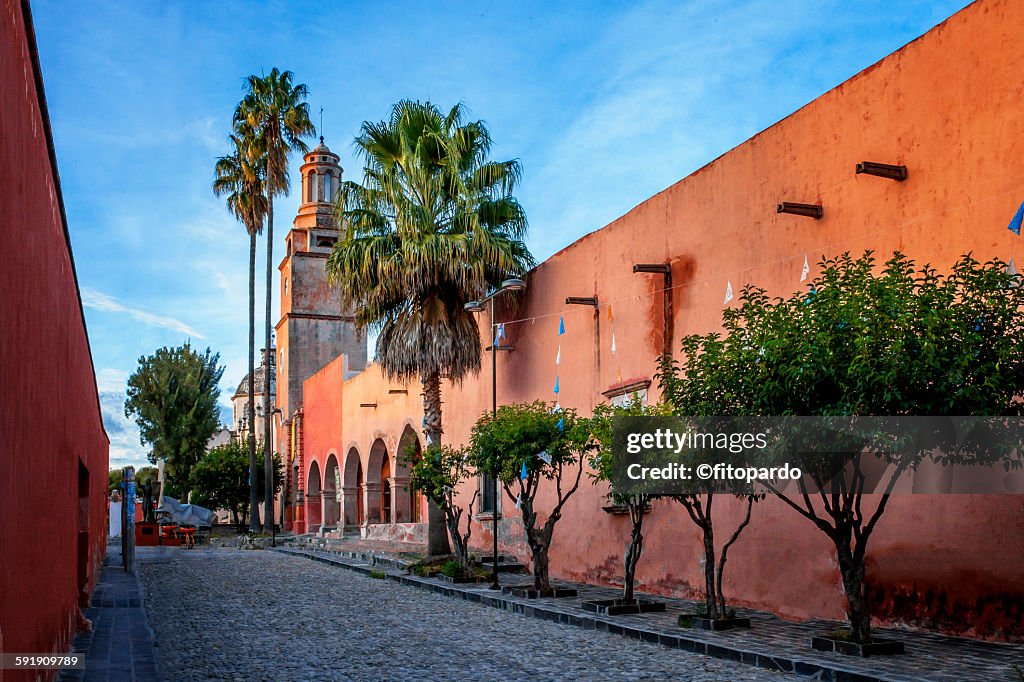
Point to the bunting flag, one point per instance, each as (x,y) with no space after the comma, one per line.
(561,325)
(611,318)
(558,355)
(1011,268)
(1018,218)
(519,501)
(557,408)
(556,384)
(613,342)
(806,270)
(560,425)
(728,291)
(544,456)
(524,474)
(499,334)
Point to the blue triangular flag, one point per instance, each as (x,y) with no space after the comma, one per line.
(561,424)
(556,384)
(1018,217)
(561,320)
(524,473)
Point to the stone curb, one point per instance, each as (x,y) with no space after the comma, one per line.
(544,611)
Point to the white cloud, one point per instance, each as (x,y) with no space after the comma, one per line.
(100,301)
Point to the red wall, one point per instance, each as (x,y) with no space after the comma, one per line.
(50,417)
(947,106)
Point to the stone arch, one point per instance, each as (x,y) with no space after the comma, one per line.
(408,505)
(378,463)
(352,484)
(332,476)
(313,498)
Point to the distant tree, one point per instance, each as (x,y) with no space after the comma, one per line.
(898,340)
(274,117)
(220,479)
(434,226)
(240,177)
(173,398)
(523,445)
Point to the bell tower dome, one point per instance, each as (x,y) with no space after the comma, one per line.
(321,177)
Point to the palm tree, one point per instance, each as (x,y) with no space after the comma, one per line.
(433,226)
(276,112)
(239,176)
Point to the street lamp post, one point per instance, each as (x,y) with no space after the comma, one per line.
(478,307)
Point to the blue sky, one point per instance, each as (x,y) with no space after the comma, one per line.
(605,104)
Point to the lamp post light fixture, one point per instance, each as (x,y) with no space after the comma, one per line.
(513,284)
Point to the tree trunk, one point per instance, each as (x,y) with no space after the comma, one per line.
(708,529)
(852,570)
(268,410)
(725,552)
(254,522)
(541,566)
(437,535)
(633,550)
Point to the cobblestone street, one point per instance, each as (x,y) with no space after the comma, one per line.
(255,615)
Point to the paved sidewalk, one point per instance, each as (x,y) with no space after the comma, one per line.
(120,645)
(771,643)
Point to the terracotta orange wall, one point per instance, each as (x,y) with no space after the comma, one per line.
(322,418)
(50,419)
(947,106)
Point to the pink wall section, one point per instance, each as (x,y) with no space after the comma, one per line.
(947,106)
(53,463)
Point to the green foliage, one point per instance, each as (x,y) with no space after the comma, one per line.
(550,446)
(377,575)
(902,341)
(173,399)
(220,480)
(503,442)
(602,459)
(438,472)
(433,226)
(899,340)
(274,116)
(453,569)
(114,480)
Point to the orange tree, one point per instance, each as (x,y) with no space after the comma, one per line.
(896,340)
(525,444)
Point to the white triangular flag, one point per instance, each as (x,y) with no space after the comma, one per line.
(1011,270)
(806,270)
(544,456)
(613,342)
(728,291)
(558,356)
(519,501)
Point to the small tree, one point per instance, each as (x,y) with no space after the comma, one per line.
(437,473)
(904,341)
(706,391)
(173,398)
(636,503)
(523,444)
(220,480)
